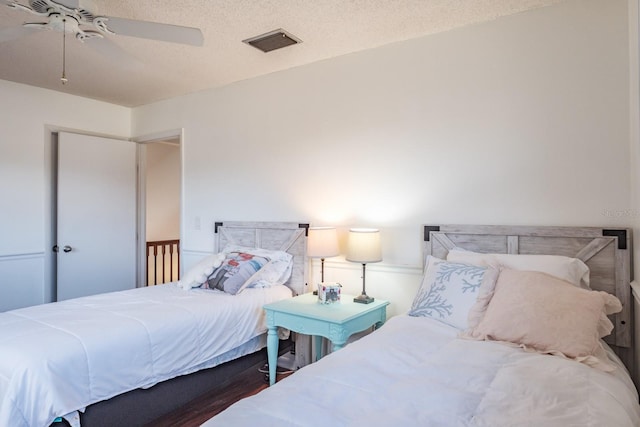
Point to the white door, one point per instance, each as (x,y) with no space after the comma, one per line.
(96,215)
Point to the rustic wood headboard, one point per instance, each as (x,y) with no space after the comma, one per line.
(290,237)
(607,252)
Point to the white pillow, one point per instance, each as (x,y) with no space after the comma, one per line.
(449,290)
(572,270)
(199,273)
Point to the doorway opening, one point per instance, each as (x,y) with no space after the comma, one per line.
(162,201)
(159,207)
(51,235)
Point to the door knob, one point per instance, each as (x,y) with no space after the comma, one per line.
(55,248)
(66,248)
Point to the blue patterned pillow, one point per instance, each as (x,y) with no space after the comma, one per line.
(448,291)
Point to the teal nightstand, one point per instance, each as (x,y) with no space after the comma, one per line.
(336,322)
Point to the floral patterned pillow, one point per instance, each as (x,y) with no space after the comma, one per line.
(236,272)
(449,290)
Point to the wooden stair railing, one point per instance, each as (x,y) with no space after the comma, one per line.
(158,263)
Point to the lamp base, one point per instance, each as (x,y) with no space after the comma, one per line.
(363,299)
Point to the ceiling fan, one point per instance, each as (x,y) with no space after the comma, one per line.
(85,25)
(75,17)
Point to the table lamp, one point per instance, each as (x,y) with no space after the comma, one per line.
(322,242)
(364,247)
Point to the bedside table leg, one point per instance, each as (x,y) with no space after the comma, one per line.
(338,345)
(272,353)
(318,343)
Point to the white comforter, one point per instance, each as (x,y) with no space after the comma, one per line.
(414,372)
(61,357)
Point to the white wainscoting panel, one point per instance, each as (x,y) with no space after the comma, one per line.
(189,258)
(21,280)
(397,284)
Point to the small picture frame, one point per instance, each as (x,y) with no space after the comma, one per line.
(329,292)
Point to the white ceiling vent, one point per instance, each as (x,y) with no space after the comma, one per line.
(273,40)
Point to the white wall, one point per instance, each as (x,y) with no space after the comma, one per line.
(27,114)
(163,191)
(521,120)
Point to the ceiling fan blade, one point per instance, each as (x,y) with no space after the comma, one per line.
(155,31)
(15,33)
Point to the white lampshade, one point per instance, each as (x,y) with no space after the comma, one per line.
(364,245)
(322,242)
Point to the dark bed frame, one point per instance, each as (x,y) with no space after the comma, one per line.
(142,406)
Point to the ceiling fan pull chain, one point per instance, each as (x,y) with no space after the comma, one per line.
(63,79)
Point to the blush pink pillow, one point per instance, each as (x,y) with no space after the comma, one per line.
(542,313)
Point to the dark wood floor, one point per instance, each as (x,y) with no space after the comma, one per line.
(199,410)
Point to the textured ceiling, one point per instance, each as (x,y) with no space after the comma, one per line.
(148,70)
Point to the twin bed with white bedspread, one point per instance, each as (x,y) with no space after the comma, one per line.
(415,372)
(60,358)
(57,359)
(431,368)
